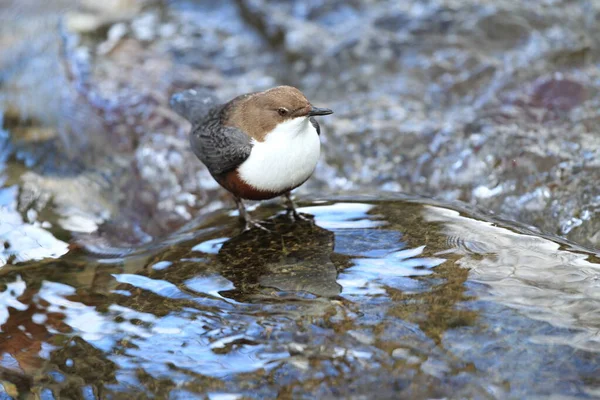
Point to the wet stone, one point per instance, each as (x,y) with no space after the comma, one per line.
(562,94)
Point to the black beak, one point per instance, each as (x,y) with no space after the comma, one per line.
(319,111)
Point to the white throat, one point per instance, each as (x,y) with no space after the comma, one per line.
(285,159)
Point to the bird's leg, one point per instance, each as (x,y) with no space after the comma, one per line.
(243,214)
(249,223)
(291,208)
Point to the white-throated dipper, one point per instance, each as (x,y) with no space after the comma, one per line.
(257,146)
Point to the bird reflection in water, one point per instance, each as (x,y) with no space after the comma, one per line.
(292,258)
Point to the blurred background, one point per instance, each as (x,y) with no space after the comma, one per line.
(492,103)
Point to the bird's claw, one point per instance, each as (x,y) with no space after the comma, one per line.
(296,216)
(250,223)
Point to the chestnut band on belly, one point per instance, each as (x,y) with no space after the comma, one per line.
(231,181)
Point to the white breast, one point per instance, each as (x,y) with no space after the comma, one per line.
(285,159)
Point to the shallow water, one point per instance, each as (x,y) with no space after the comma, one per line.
(402,299)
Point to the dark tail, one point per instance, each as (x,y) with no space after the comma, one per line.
(193,104)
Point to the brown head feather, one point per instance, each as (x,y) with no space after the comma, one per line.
(258,113)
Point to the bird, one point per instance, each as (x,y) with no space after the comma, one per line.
(258,145)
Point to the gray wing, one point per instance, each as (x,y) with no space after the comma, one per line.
(220,148)
(314,123)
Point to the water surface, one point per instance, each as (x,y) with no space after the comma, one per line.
(403,299)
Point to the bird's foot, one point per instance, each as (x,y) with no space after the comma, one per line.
(292,213)
(296,216)
(250,223)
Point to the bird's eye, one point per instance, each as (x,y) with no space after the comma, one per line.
(282,111)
